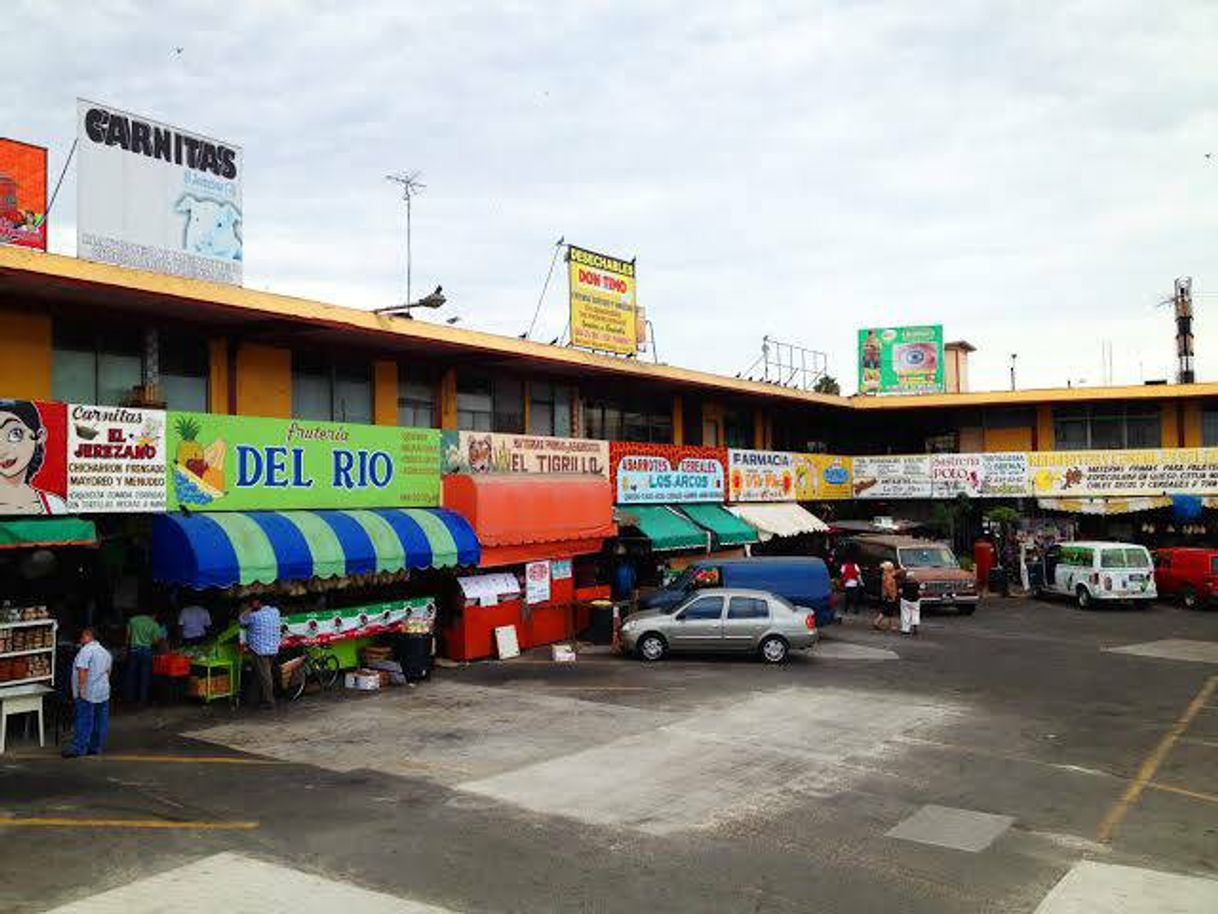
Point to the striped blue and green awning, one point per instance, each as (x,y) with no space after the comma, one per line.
(260,547)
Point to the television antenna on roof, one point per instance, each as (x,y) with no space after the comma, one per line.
(411,185)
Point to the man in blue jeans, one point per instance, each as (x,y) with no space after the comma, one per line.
(144,632)
(91,694)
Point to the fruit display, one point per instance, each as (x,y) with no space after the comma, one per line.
(198,470)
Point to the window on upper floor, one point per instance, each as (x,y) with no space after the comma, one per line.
(628,419)
(1107,426)
(184,370)
(1209,427)
(542,408)
(738,428)
(95,365)
(475,403)
(509,405)
(489,404)
(416,399)
(329,391)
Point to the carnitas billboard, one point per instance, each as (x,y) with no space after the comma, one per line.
(156,197)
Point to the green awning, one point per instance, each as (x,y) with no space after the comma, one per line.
(727,527)
(665,527)
(26,533)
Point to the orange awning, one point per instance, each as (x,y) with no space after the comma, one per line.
(517,517)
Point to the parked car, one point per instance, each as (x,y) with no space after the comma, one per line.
(932,564)
(1090,572)
(802,580)
(1188,574)
(722,619)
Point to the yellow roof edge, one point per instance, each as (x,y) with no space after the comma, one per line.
(1035,395)
(57,266)
(74,269)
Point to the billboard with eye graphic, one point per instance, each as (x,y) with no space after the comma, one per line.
(901,360)
(156,197)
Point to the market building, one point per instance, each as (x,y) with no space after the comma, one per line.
(216,439)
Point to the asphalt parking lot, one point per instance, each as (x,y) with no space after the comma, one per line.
(1017,760)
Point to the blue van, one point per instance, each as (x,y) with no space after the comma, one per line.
(803,580)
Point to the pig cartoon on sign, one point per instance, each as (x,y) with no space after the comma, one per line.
(212,227)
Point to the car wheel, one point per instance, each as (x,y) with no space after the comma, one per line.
(1189,598)
(652,647)
(966,610)
(1082,596)
(773,650)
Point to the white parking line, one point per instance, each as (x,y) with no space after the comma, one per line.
(1104,888)
(237,884)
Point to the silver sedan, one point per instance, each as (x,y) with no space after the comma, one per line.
(722,619)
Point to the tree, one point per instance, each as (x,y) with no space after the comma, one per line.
(827,384)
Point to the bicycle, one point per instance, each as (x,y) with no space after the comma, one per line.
(314,664)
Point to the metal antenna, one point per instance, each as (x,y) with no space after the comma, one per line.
(411,185)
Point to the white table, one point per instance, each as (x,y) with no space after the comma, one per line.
(22,699)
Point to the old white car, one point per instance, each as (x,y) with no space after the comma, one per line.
(1087,572)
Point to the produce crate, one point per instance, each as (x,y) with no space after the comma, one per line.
(198,686)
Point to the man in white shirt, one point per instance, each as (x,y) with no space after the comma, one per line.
(91,692)
(193,622)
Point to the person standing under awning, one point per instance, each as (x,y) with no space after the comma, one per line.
(262,633)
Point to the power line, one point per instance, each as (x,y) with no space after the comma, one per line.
(59,183)
(546,285)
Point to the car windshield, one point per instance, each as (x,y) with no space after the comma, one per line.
(927,557)
(1125,558)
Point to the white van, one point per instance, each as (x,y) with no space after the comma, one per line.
(1099,571)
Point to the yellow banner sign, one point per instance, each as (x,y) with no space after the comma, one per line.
(602,302)
(822,477)
(1149,472)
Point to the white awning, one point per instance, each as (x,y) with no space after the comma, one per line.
(779,519)
(1105,504)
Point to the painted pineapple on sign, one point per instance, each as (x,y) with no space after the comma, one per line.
(198,471)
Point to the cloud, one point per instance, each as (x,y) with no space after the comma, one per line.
(1030,175)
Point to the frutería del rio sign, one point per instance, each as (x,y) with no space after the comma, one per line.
(235,463)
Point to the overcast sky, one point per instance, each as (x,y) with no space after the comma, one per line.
(1030,175)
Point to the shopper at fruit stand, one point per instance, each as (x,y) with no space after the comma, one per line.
(91,696)
(144,632)
(193,622)
(262,632)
